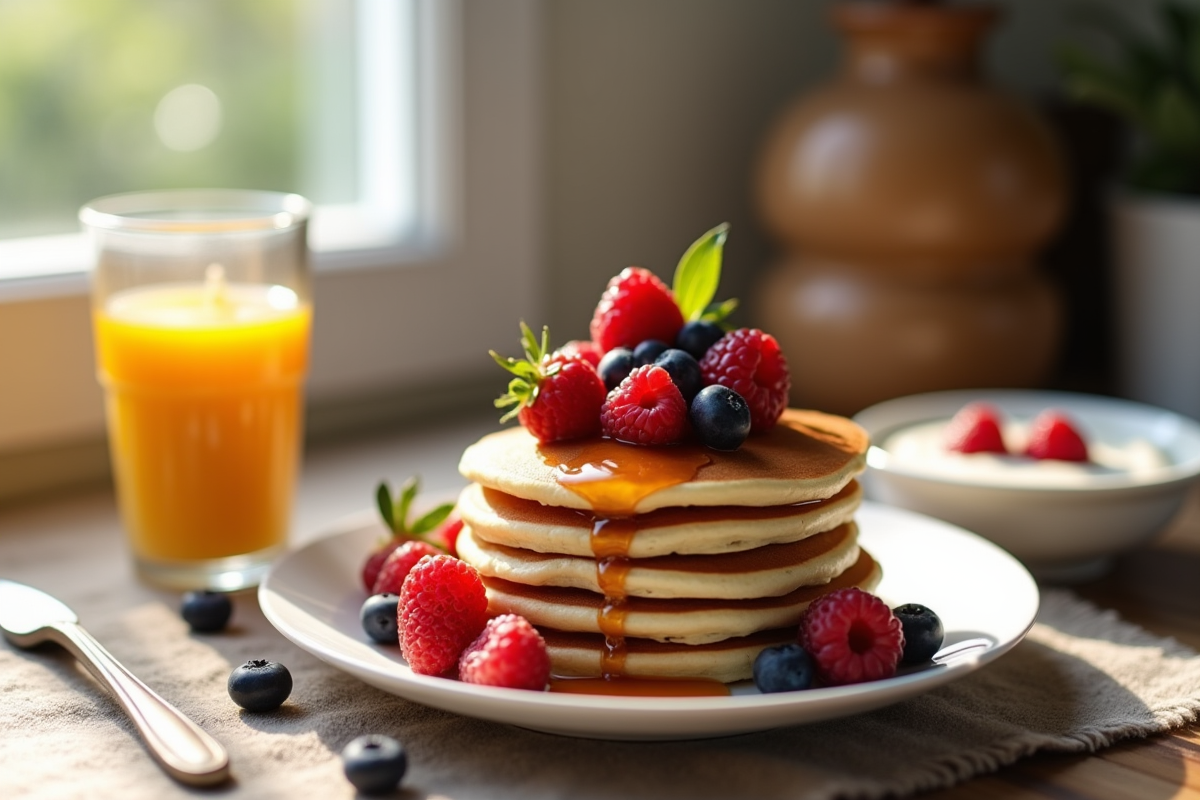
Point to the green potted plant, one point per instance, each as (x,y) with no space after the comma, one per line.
(1153,83)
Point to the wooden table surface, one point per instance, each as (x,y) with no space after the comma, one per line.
(1159,589)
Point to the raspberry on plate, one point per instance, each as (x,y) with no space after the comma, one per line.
(442,608)
(375,561)
(646,408)
(974,429)
(1052,435)
(751,363)
(555,397)
(397,566)
(509,652)
(635,306)
(852,636)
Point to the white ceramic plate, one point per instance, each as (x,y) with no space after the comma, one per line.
(313,595)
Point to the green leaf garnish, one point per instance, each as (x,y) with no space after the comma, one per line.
(395,510)
(699,273)
(431,520)
(719,312)
(383,499)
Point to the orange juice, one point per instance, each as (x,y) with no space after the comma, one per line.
(204,401)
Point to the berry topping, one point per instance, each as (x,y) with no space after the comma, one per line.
(448,534)
(443,607)
(375,764)
(206,612)
(395,511)
(720,417)
(399,563)
(554,397)
(260,685)
(974,429)
(684,371)
(509,652)
(635,306)
(783,668)
(616,366)
(697,336)
(582,349)
(923,633)
(378,618)
(852,636)
(646,408)
(370,570)
(751,363)
(1052,435)
(647,352)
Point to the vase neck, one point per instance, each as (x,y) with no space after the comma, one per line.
(889,43)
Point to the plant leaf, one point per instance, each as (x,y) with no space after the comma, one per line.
(432,519)
(383,499)
(699,273)
(408,493)
(719,312)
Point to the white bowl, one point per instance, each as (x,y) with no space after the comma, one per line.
(1064,524)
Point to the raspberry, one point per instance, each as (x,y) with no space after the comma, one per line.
(1053,436)
(853,636)
(751,363)
(509,652)
(397,566)
(974,429)
(635,306)
(646,408)
(443,607)
(555,397)
(370,570)
(449,535)
(586,350)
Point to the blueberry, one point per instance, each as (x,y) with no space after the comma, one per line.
(646,352)
(206,612)
(378,617)
(260,685)
(374,764)
(684,371)
(615,367)
(720,417)
(697,336)
(923,633)
(783,668)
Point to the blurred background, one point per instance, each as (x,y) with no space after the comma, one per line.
(478,162)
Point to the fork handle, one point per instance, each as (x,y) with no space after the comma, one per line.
(184,751)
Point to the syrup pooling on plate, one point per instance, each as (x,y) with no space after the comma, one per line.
(613,478)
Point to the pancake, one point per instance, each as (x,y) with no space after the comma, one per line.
(806,456)
(685,621)
(769,571)
(583,655)
(502,519)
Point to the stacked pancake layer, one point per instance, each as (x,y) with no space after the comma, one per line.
(666,562)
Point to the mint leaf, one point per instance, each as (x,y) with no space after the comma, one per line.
(383,499)
(408,493)
(699,273)
(432,519)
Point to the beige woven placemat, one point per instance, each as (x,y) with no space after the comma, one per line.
(1081,680)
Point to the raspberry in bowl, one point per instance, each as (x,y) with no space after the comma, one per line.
(1063,481)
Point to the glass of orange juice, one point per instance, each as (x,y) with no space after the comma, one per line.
(202,303)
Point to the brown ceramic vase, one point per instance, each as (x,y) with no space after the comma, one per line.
(911,199)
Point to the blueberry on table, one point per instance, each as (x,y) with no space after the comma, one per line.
(374,764)
(697,336)
(260,685)
(923,633)
(615,367)
(684,371)
(378,618)
(783,668)
(206,612)
(720,417)
(649,350)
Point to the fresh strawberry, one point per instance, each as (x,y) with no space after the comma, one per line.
(1053,435)
(555,397)
(394,512)
(588,351)
(449,535)
(635,306)
(397,566)
(442,608)
(750,362)
(646,408)
(509,652)
(974,429)
(852,636)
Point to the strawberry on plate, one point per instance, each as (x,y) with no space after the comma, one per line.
(1054,436)
(974,429)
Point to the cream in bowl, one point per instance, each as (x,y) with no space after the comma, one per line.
(1064,519)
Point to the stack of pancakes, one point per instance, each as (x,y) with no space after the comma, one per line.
(670,561)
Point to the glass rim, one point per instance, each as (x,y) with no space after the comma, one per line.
(178,211)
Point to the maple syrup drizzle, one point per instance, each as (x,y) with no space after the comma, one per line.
(614,478)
